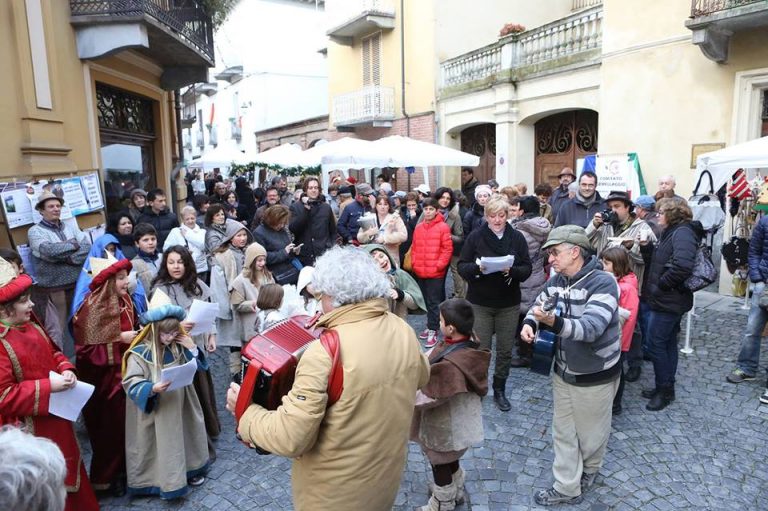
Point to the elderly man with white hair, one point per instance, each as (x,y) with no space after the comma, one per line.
(349,455)
(667,187)
(31,473)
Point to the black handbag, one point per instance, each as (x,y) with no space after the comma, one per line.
(735,253)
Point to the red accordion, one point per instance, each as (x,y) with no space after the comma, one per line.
(269,362)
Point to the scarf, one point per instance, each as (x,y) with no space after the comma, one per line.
(501,246)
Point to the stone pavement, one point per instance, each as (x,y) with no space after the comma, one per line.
(706,451)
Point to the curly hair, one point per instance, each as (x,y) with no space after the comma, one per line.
(676,210)
(349,275)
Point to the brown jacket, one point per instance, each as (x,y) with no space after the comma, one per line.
(349,456)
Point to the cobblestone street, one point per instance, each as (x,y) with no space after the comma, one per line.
(705,451)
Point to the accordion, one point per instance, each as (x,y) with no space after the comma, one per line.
(269,360)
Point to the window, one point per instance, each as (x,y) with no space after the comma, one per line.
(764,116)
(372,59)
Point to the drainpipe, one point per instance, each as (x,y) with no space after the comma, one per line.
(402,78)
(180,162)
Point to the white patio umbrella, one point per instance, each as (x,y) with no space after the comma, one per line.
(221,156)
(285,155)
(407,152)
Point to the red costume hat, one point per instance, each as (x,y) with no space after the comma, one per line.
(104,273)
(11,285)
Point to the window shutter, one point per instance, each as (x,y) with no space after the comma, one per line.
(372,59)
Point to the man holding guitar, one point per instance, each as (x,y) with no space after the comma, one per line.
(586,361)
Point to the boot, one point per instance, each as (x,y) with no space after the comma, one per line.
(663,397)
(443,499)
(499,398)
(649,393)
(458,481)
(234,364)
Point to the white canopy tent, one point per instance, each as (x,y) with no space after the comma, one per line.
(342,148)
(222,157)
(723,163)
(285,155)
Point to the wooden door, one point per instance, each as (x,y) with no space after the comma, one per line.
(561,139)
(480,140)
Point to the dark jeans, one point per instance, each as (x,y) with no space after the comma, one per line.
(433,291)
(620,390)
(662,329)
(642,320)
(635,354)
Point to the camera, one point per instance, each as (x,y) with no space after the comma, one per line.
(608,216)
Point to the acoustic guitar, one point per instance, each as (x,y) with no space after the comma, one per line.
(544,344)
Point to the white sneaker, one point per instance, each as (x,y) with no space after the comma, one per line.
(764,397)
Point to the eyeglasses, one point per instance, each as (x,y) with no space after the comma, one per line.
(554,252)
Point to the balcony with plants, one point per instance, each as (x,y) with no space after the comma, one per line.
(569,43)
(714,22)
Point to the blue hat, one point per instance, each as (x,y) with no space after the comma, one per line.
(645,202)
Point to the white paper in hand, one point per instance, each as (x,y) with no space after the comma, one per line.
(68,403)
(179,376)
(495,264)
(203,315)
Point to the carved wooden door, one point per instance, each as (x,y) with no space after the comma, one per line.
(480,140)
(561,139)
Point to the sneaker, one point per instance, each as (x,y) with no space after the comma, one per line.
(587,480)
(764,397)
(551,497)
(424,334)
(196,481)
(738,376)
(431,339)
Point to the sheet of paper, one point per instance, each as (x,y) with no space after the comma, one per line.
(495,264)
(179,376)
(68,403)
(202,314)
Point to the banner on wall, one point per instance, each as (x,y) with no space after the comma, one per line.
(615,172)
(81,194)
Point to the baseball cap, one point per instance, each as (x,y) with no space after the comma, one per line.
(364,189)
(422,188)
(645,202)
(572,234)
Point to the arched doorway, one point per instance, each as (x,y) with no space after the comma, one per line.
(480,140)
(561,139)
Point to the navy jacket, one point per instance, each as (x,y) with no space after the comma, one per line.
(758,252)
(575,212)
(671,264)
(348,225)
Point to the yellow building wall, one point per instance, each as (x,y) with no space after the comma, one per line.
(63,141)
(345,63)
(659,94)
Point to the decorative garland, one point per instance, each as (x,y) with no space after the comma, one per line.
(249,170)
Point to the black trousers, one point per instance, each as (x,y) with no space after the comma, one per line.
(433,291)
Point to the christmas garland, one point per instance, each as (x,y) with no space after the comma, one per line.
(249,170)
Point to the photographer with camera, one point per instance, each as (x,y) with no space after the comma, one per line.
(312,223)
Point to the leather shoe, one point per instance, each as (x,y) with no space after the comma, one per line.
(649,393)
(633,374)
(520,362)
(660,400)
(502,403)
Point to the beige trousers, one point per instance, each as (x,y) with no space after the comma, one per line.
(581,426)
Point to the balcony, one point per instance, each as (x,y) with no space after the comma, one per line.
(177,34)
(356,18)
(713,22)
(566,44)
(585,4)
(370,106)
(232,74)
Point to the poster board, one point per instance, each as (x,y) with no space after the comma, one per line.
(615,172)
(81,194)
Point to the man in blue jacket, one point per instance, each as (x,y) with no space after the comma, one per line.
(749,354)
(582,208)
(347,225)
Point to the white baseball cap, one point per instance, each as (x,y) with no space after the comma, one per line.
(422,188)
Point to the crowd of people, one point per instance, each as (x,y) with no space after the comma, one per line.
(363,257)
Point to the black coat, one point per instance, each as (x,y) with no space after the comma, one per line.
(278,262)
(671,264)
(314,227)
(163,223)
(494,290)
(474,218)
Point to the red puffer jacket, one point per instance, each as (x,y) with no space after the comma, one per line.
(431,249)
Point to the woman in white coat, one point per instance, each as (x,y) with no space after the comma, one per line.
(191,236)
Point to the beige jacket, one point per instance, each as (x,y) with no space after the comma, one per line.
(349,456)
(243,295)
(391,234)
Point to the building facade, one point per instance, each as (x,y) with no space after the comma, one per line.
(89,86)
(589,76)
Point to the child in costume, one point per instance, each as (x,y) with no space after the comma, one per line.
(27,356)
(448,417)
(405,296)
(310,299)
(244,291)
(166,445)
(103,326)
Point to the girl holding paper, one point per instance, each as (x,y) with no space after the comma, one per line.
(27,357)
(166,447)
(177,278)
(103,325)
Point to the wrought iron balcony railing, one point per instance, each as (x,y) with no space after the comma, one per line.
(707,7)
(186,18)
